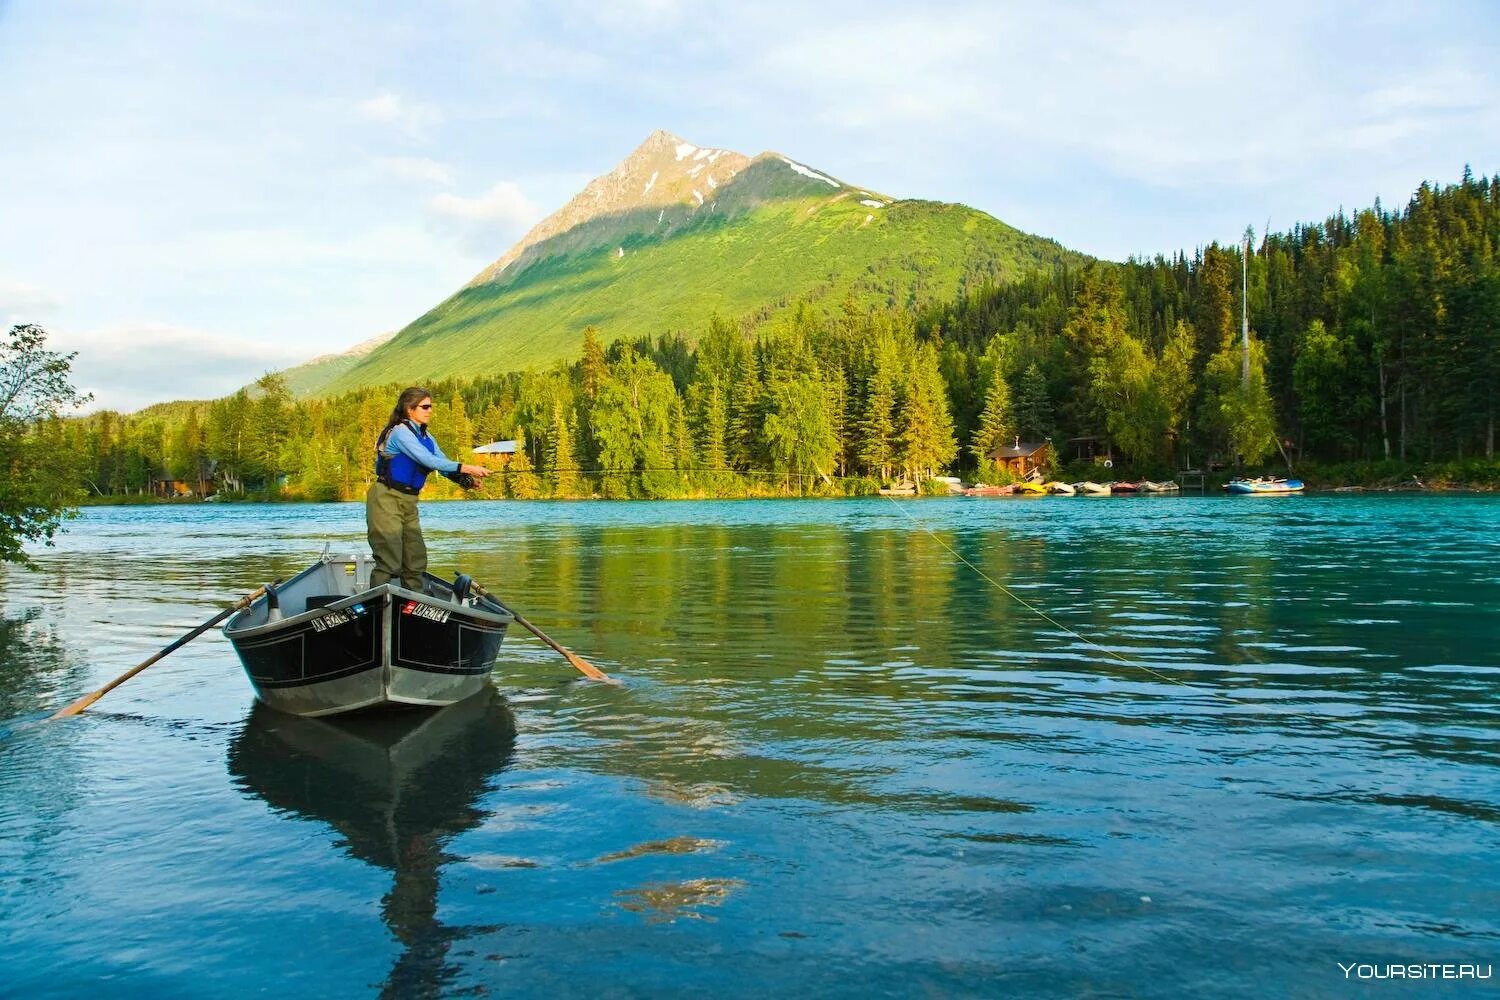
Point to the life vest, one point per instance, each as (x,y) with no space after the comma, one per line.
(399,472)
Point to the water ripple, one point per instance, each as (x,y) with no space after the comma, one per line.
(840,762)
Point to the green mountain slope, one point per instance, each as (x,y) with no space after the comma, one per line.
(677,233)
(311,377)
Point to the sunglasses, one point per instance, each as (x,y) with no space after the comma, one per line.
(422,406)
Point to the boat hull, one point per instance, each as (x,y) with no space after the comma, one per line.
(1265,488)
(383,645)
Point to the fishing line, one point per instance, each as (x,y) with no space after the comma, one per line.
(935,537)
(1049,619)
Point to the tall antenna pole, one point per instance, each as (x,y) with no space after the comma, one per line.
(1245,313)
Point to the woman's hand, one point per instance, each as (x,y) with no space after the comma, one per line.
(477,471)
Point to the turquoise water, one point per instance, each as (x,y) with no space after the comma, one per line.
(840,762)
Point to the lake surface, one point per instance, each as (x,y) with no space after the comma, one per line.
(1252,739)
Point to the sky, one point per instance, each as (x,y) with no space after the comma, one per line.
(193,193)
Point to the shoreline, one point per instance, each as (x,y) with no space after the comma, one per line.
(1476,476)
(135,500)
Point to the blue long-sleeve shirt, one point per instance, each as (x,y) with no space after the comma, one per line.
(402,441)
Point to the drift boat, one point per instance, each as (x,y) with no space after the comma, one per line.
(326,641)
(1264,486)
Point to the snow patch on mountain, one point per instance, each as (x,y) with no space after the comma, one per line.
(809,172)
(662,172)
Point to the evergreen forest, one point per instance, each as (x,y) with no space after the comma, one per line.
(1374,341)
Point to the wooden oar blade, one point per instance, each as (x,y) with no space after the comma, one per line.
(577,662)
(586,668)
(77,706)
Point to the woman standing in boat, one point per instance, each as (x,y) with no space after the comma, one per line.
(405,454)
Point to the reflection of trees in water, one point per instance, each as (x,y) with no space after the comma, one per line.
(35,669)
(800,628)
(397,787)
(805,617)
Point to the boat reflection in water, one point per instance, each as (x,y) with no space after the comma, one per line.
(397,785)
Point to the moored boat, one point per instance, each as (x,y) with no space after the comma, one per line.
(981,490)
(1094,489)
(326,642)
(1118,489)
(1148,486)
(1031,489)
(1061,489)
(1264,486)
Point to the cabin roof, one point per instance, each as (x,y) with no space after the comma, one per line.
(1021,449)
(496,448)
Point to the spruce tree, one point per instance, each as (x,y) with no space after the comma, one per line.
(1174,384)
(996,423)
(520,479)
(1033,409)
(877,419)
(925,439)
(561,466)
(591,373)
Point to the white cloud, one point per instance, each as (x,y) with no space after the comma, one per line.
(410,116)
(23,303)
(130,366)
(384,108)
(490,222)
(416,168)
(1184,99)
(635,16)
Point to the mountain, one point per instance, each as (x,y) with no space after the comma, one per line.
(311,377)
(678,232)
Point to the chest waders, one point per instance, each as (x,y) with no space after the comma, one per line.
(393,525)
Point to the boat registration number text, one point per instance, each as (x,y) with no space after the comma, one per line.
(425,611)
(334,619)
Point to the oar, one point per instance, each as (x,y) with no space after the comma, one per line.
(89,699)
(579,663)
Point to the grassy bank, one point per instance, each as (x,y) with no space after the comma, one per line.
(1466,474)
(1471,474)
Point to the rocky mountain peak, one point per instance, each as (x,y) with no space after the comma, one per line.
(662,172)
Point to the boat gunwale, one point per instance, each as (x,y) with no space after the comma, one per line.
(501,618)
